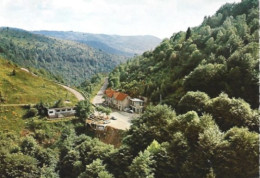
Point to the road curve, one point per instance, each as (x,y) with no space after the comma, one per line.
(77,94)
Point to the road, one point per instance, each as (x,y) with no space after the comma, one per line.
(77,94)
(98,99)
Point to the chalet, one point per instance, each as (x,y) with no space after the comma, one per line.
(137,105)
(61,112)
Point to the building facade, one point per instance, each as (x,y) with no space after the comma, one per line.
(137,105)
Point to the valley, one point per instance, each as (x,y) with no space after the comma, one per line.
(85,105)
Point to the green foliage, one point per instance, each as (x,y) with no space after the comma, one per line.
(193,101)
(238,155)
(71,60)
(18,165)
(221,55)
(211,135)
(188,34)
(141,166)
(24,88)
(32,112)
(83,109)
(207,78)
(232,112)
(90,87)
(119,45)
(95,169)
(14,72)
(103,109)
(2,98)
(59,104)
(153,124)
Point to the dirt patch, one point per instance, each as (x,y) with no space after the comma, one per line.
(110,136)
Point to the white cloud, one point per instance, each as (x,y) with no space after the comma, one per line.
(125,17)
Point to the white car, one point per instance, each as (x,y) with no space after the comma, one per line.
(126,109)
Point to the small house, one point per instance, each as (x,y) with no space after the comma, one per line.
(61,112)
(117,99)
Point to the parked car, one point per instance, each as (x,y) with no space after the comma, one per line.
(113,118)
(130,111)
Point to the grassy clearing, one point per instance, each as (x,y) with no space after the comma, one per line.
(11,119)
(24,88)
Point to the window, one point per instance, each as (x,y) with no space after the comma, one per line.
(58,110)
(63,110)
(50,112)
(68,109)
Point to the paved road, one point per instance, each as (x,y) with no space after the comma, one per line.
(98,99)
(78,95)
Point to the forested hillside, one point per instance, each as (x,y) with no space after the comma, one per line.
(220,55)
(209,128)
(114,44)
(72,61)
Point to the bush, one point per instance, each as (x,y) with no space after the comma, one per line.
(103,109)
(32,112)
(193,101)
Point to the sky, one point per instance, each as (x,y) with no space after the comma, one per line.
(160,18)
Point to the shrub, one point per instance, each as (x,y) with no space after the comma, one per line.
(32,112)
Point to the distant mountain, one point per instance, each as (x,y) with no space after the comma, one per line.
(114,44)
(72,61)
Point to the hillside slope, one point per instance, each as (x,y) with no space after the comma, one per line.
(72,61)
(20,87)
(220,55)
(114,44)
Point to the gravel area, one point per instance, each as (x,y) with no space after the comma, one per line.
(123,121)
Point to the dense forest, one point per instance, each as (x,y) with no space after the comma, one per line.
(74,62)
(114,44)
(220,55)
(201,120)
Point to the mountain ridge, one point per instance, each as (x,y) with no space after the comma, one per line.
(126,45)
(72,60)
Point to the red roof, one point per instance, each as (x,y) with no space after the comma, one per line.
(109,92)
(121,96)
(117,95)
